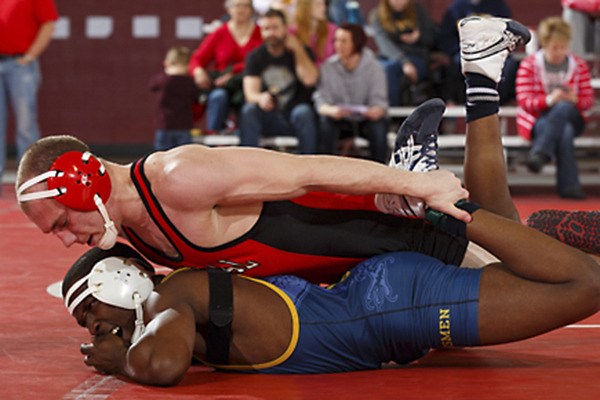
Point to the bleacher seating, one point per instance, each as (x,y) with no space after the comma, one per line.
(447,141)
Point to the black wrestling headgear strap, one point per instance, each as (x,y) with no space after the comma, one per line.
(220,315)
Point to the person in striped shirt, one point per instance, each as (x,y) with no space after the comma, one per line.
(553,92)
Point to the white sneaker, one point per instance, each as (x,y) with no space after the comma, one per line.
(415,150)
(486,42)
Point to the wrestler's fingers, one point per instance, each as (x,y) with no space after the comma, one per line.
(461,215)
(454,212)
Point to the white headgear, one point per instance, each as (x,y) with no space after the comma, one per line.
(114,282)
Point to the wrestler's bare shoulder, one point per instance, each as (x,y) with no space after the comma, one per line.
(165,162)
(180,172)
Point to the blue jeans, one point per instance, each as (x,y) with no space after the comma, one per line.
(396,81)
(374,131)
(553,135)
(339,12)
(18,88)
(166,139)
(217,109)
(255,123)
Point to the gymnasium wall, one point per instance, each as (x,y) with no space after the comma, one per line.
(96,87)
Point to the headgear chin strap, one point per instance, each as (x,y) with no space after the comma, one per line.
(79,181)
(108,240)
(113,281)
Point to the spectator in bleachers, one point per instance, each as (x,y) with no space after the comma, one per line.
(262,6)
(345,11)
(405,34)
(26,28)
(218,63)
(584,18)
(351,96)
(287,6)
(278,83)
(313,29)
(553,91)
(453,87)
(176,95)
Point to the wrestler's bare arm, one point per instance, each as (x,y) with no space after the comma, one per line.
(161,356)
(202,177)
(164,353)
(173,311)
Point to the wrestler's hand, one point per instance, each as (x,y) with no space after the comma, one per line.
(440,190)
(107,353)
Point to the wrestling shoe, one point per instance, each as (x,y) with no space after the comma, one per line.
(486,42)
(579,229)
(415,149)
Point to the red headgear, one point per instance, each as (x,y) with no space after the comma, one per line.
(74,179)
(83,176)
(80,182)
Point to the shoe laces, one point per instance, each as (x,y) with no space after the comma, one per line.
(411,154)
(407,155)
(430,152)
(490,45)
(511,40)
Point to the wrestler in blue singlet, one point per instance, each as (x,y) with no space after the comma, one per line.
(394,307)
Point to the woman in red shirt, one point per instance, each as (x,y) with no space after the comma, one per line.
(218,62)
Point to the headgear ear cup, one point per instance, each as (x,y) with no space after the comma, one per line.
(80,182)
(83,176)
(114,281)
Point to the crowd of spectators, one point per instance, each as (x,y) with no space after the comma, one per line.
(328,71)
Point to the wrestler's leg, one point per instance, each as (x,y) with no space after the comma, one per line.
(485,172)
(485,44)
(540,285)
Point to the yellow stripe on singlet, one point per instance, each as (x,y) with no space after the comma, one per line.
(295,328)
(293,340)
(166,278)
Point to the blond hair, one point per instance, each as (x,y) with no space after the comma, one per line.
(230,3)
(40,155)
(553,28)
(178,55)
(303,19)
(391,25)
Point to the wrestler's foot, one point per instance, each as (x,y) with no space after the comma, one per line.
(415,150)
(579,229)
(416,147)
(486,42)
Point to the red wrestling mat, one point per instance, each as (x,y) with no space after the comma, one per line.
(39,357)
